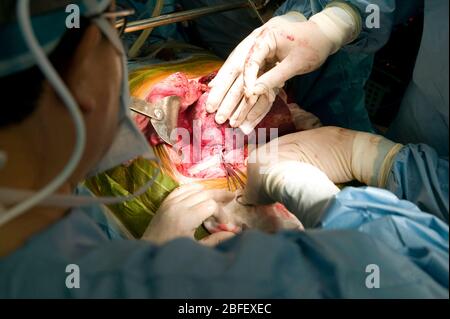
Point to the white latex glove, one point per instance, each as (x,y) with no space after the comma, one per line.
(184,211)
(277,173)
(296,46)
(235,218)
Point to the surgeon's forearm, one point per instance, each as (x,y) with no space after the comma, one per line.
(372,158)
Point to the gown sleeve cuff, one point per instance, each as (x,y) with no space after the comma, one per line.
(386,167)
(353,12)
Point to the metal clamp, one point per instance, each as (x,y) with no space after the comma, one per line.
(163,114)
(193,14)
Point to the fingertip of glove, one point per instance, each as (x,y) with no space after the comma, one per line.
(220,119)
(260,89)
(210,108)
(246,128)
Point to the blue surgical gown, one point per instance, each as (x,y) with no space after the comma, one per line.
(335,92)
(361,227)
(424,113)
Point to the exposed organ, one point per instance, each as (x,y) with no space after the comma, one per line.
(204,159)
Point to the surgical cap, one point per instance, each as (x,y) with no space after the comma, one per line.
(48,18)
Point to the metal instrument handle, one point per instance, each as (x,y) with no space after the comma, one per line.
(192,14)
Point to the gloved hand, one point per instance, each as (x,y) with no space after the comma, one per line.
(276,174)
(184,211)
(296,45)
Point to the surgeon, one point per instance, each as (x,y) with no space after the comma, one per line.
(76,99)
(290,45)
(334,92)
(301,41)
